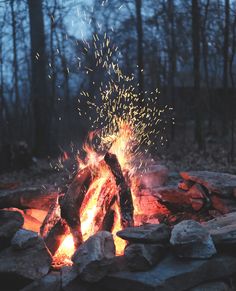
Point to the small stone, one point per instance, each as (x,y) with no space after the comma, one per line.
(24,239)
(147,233)
(94,257)
(142,257)
(10,222)
(191,240)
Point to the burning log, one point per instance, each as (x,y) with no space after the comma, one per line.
(56,235)
(125,198)
(104,217)
(71,202)
(52,217)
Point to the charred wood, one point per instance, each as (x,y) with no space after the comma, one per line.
(56,235)
(125,198)
(71,202)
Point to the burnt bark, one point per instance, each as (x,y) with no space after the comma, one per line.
(56,236)
(52,217)
(72,201)
(125,201)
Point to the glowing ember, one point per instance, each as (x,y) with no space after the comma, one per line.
(65,252)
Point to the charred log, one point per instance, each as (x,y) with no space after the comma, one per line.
(56,235)
(52,217)
(108,220)
(106,199)
(71,202)
(125,201)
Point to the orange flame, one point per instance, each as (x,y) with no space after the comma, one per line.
(121,143)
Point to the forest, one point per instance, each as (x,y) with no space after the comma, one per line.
(118,145)
(183,49)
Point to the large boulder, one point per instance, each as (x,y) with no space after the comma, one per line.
(31,263)
(94,257)
(147,233)
(221,183)
(142,257)
(190,239)
(173,273)
(223,229)
(10,222)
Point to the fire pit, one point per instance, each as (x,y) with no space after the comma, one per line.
(121,230)
(104,195)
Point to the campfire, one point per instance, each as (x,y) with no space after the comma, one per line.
(102,196)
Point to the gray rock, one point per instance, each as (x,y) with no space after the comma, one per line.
(221,183)
(94,257)
(10,222)
(31,263)
(173,274)
(50,282)
(68,274)
(191,240)
(222,229)
(141,257)
(212,286)
(147,233)
(24,238)
(31,197)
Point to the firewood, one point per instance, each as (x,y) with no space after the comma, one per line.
(106,199)
(52,217)
(56,235)
(125,201)
(108,220)
(71,202)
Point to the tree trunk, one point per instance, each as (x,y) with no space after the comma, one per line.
(172,58)
(139,28)
(39,91)
(233,88)
(15,65)
(225,118)
(196,72)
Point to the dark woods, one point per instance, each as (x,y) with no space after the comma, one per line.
(186,49)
